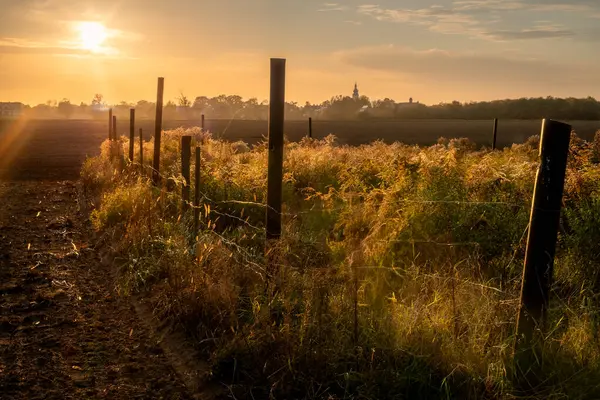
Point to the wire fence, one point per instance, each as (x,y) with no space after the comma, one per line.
(542,225)
(253,259)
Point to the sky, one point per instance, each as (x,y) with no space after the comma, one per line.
(431,50)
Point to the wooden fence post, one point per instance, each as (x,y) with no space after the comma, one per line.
(275,172)
(114,145)
(110,123)
(186,154)
(197,193)
(495,133)
(310,127)
(131,132)
(158,132)
(541,245)
(141,151)
(202,122)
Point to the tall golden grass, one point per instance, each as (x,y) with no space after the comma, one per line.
(397,275)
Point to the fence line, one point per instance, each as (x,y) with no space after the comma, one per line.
(542,228)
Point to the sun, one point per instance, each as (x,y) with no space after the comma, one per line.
(92,35)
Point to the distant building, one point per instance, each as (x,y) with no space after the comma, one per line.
(355,94)
(11,110)
(409,103)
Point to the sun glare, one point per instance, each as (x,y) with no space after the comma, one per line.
(92,35)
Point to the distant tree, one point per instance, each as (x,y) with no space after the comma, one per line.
(169,110)
(98,99)
(344,107)
(121,110)
(200,103)
(145,109)
(65,108)
(183,101)
(42,111)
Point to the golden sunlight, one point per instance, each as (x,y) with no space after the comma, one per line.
(92,35)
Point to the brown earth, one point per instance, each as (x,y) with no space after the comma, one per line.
(55,149)
(65,333)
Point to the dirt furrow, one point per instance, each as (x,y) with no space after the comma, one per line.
(64,331)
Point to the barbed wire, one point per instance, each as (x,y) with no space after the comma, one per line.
(261,270)
(247,260)
(206,198)
(432,276)
(334,209)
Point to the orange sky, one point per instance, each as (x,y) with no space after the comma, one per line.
(430,50)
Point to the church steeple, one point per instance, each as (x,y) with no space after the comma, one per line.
(355,94)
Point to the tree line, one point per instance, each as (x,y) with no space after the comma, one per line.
(336,108)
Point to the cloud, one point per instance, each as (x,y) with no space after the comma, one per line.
(10,45)
(527,5)
(539,31)
(26,46)
(526,34)
(476,17)
(63,39)
(462,68)
(332,7)
(435,18)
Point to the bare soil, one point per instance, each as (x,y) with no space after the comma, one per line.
(65,333)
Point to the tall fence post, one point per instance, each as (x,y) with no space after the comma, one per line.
(131,132)
(114,127)
(310,127)
(197,193)
(495,133)
(541,245)
(158,131)
(110,123)
(202,122)
(186,154)
(275,172)
(142,151)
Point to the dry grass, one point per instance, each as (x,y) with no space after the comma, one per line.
(397,275)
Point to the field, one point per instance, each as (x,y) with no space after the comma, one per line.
(55,149)
(397,275)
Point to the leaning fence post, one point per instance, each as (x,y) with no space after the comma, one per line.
(495,133)
(202,122)
(131,132)
(142,151)
(310,127)
(157,131)
(186,153)
(541,244)
(197,193)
